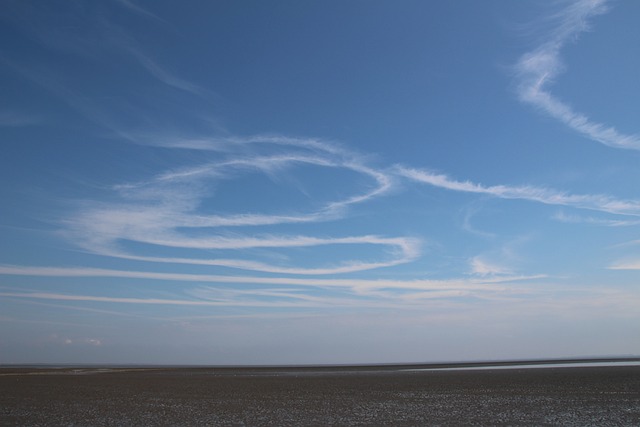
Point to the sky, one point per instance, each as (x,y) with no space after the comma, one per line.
(318,182)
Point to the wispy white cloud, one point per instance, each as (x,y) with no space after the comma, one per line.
(598,202)
(287,293)
(536,71)
(123,42)
(67,307)
(154,211)
(154,301)
(406,250)
(578,219)
(483,267)
(87,36)
(625,264)
(269,299)
(56,85)
(502,260)
(132,6)
(347,283)
(469,212)
(161,73)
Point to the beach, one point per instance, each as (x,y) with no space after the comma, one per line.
(579,396)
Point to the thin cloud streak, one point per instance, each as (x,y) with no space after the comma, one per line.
(161,73)
(356,284)
(141,11)
(630,264)
(407,249)
(71,97)
(398,302)
(123,41)
(235,142)
(27,300)
(576,219)
(596,202)
(155,301)
(536,71)
(483,267)
(468,226)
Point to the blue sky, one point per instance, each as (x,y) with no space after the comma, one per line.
(318,182)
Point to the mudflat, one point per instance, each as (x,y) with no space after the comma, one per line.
(577,396)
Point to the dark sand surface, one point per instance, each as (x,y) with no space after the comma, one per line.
(582,396)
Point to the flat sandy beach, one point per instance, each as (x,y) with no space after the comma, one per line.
(575,396)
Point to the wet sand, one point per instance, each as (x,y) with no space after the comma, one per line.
(388,395)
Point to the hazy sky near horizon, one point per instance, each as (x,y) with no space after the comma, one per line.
(318,182)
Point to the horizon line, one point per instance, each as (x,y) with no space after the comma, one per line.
(421,365)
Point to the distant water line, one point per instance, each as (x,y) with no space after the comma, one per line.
(528,366)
